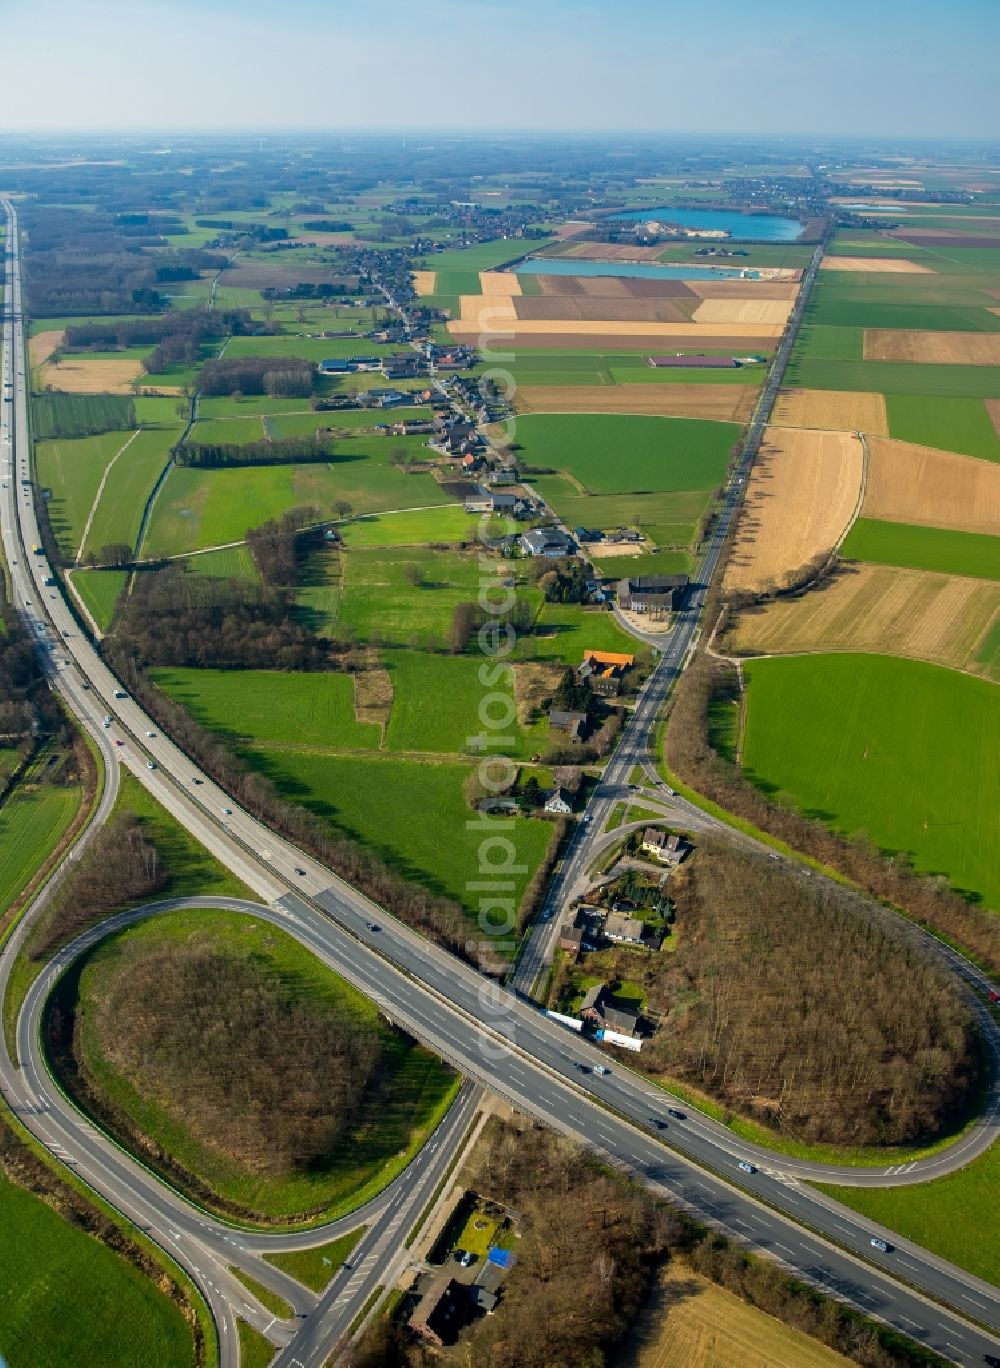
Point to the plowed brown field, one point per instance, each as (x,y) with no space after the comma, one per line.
(747,289)
(723,403)
(935,348)
(940,618)
(917,484)
(802,495)
(615,287)
(833,410)
(557,308)
(883,265)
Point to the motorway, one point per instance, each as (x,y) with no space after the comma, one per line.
(492,1035)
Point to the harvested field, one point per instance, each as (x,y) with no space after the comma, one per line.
(688,1322)
(879,608)
(484,312)
(993,409)
(802,495)
(683,335)
(916,484)
(607,251)
(556,308)
(603,338)
(424,282)
(770,311)
(615,287)
(723,403)
(932,348)
(748,289)
(883,265)
(78,375)
(43,344)
(832,410)
(499,283)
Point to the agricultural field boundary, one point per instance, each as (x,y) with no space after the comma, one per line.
(100,490)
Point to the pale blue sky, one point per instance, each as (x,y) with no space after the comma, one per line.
(901,67)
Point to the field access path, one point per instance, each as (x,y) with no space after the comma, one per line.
(493,1036)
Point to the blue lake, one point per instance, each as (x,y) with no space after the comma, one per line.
(650,271)
(759,227)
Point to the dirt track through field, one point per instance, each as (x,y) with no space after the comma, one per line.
(932,348)
(832,410)
(424,282)
(723,403)
(916,484)
(881,265)
(881,608)
(802,494)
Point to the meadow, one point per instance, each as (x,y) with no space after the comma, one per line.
(923,548)
(100,591)
(834,735)
(667,519)
(950,424)
(414,527)
(563,631)
(893,377)
(404,596)
(118,515)
(619,453)
(229,562)
(403,1102)
(542,366)
(202,508)
(33,821)
(945,1215)
(72,469)
(66,1298)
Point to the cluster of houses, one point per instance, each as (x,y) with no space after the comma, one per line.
(656,595)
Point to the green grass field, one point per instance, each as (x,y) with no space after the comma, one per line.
(924,548)
(405,1100)
(201,508)
(415,527)
(547,366)
(666,519)
(72,468)
(131,480)
(618,454)
(989,653)
(247,706)
(950,424)
(949,1216)
(66,1298)
(820,342)
(243,429)
(78,415)
(564,631)
(649,563)
(315,1267)
(229,562)
(100,591)
(33,821)
(898,749)
(894,377)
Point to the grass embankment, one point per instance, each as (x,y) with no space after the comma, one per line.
(949,1215)
(66,1298)
(256,1350)
(33,821)
(240,1127)
(271,1301)
(315,1267)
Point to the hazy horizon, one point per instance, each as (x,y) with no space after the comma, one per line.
(912,70)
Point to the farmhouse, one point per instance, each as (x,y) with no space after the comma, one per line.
(547,541)
(441,1312)
(654,594)
(603,671)
(574,724)
(596,1009)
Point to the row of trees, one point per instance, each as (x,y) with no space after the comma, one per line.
(275,544)
(289,377)
(929,901)
(285,451)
